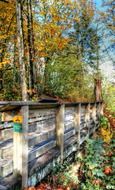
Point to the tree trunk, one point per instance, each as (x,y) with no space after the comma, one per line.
(20,38)
(30,44)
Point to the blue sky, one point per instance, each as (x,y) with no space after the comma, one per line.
(106,66)
(98,3)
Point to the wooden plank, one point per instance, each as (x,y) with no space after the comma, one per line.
(24,169)
(35,138)
(101,108)
(93,114)
(6,151)
(68,125)
(97,110)
(48,124)
(36,152)
(87,117)
(41,114)
(6,134)
(11,182)
(43,160)
(69,115)
(87,113)
(60,129)
(20,153)
(3,187)
(5,125)
(69,134)
(7,116)
(77,121)
(6,167)
(32,127)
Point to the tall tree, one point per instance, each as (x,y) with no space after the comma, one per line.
(108,20)
(51,20)
(84,34)
(110,15)
(31,53)
(20,35)
(7,31)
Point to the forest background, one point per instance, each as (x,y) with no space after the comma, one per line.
(56,48)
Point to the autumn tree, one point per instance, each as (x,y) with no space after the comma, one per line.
(109,16)
(84,32)
(67,77)
(50,23)
(9,56)
(7,38)
(107,19)
(30,41)
(20,36)
(47,32)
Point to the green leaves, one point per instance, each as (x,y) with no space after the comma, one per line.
(98,165)
(104,122)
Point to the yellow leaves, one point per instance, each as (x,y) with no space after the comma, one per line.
(7,19)
(90,11)
(49,32)
(41,47)
(49,38)
(53,10)
(3,36)
(42,54)
(42,13)
(83,2)
(56,18)
(106,134)
(66,2)
(4,63)
(62,43)
(77,19)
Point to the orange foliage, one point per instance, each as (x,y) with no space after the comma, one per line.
(7,26)
(55,19)
(48,33)
(7,21)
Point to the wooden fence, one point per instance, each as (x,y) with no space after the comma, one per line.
(34,136)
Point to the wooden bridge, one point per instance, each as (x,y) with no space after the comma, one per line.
(35,136)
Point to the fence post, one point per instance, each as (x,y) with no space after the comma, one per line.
(98,110)
(60,129)
(94,113)
(77,121)
(101,108)
(87,118)
(20,142)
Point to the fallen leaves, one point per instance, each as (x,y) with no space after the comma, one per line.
(108,170)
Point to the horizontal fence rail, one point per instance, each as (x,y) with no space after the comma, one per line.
(34,134)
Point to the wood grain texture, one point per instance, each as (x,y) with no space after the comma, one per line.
(44,127)
(60,129)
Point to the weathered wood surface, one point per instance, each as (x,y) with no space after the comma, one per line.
(38,151)
(11,182)
(78,121)
(6,150)
(44,164)
(60,129)
(6,134)
(41,114)
(2,187)
(37,138)
(20,148)
(6,167)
